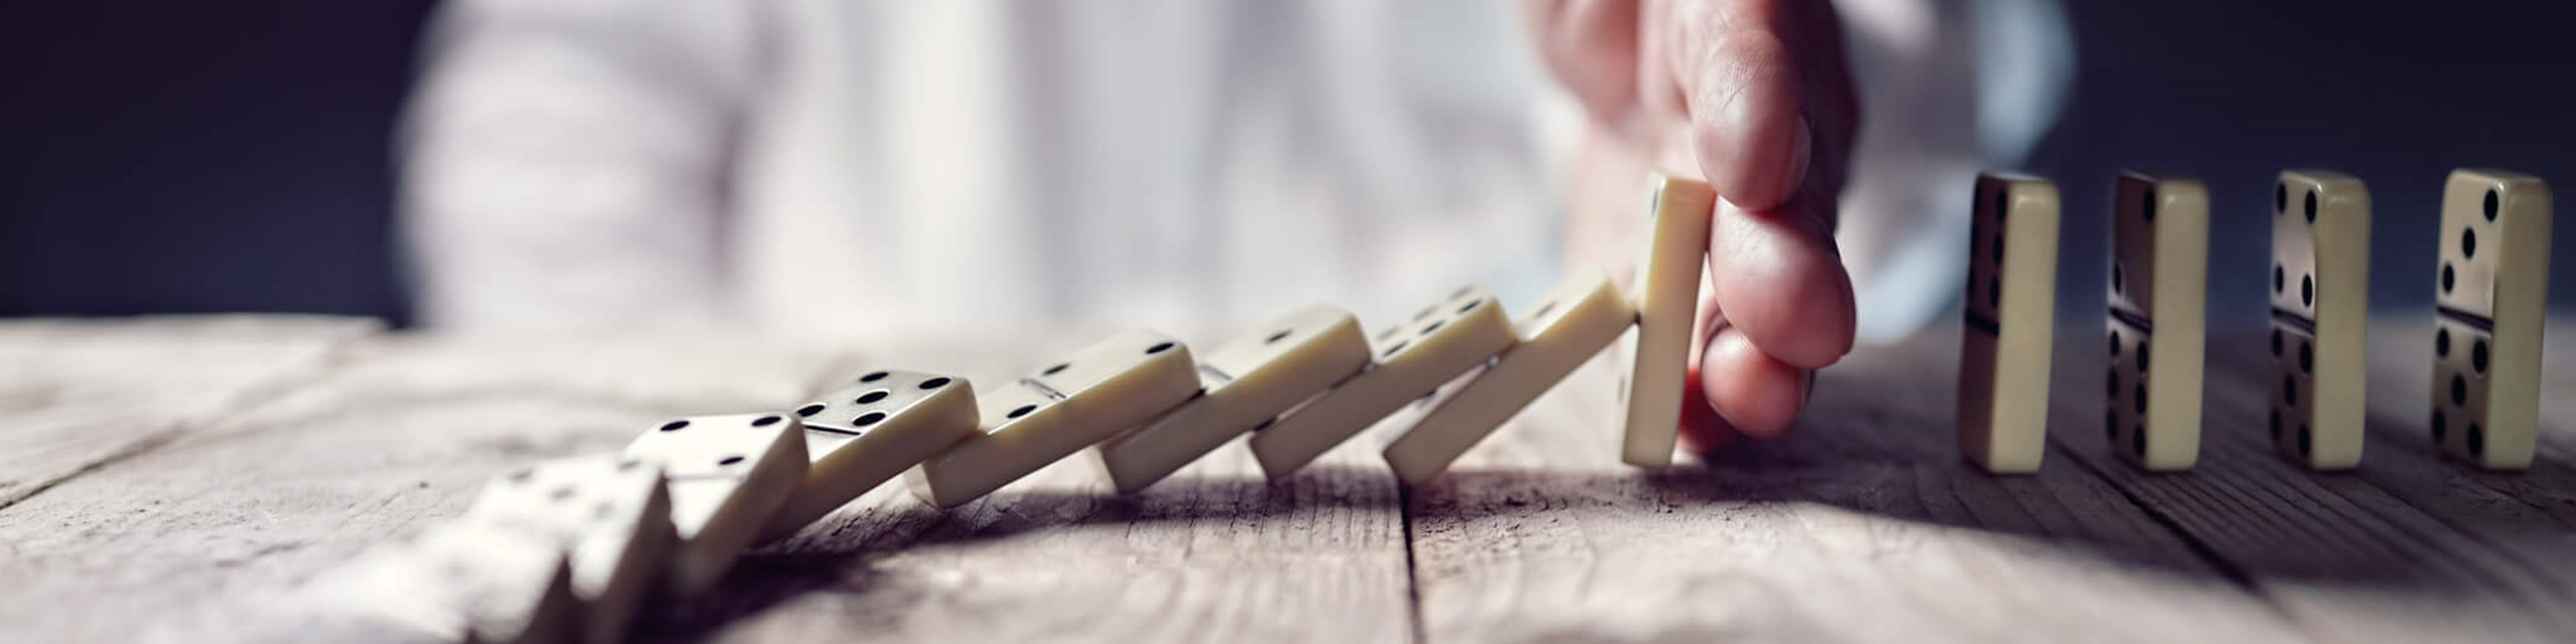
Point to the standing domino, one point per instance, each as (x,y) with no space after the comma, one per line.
(2493,288)
(463,582)
(2159,285)
(2011,323)
(611,514)
(728,475)
(1249,382)
(1667,304)
(2320,316)
(867,433)
(1092,395)
(1439,343)
(1580,317)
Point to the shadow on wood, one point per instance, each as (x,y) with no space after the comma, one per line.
(872,555)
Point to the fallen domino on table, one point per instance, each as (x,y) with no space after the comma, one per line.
(865,434)
(1090,396)
(727,476)
(612,516)
(1568,327)
(1437,344)
(1248,381)
(460,582)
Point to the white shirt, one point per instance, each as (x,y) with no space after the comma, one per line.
(902,169)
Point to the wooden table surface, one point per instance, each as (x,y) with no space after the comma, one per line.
(159,477)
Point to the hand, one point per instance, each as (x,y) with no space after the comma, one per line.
(1754,96)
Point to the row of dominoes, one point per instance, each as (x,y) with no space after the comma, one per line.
(2490,297)
(568,549)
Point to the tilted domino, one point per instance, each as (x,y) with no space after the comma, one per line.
(1573,323)
(1437,344)
(2011,323)
(2320,285)
(870,432)
(1090,396)
(612,515)
(727,475)
(460,582)
(2158,296)
(1667,302)
(2491,298)
(1248,381)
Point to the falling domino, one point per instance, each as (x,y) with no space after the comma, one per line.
(871,431)
(1436,345)
(1088,397)
(611,515)
(1667,302)
(728,475)
(1249,381)
(1572,324)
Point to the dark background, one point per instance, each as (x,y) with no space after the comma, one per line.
(2396,93)
(160,156)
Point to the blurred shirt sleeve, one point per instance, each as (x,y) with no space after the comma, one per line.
(566,162)
(1950,87)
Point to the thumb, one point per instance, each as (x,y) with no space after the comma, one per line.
(1741,71)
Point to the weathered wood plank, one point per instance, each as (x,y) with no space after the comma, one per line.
(1214,554)
(181,541)
(2405,463)
(2406,549)
(76,394)
(1863,525)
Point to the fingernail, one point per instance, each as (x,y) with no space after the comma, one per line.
(1816,219)
(1800,151)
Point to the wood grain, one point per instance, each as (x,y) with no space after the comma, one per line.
(185,540)
(1864,524)
(1212,554)
(75,395)
(256,452)
(2405,549)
